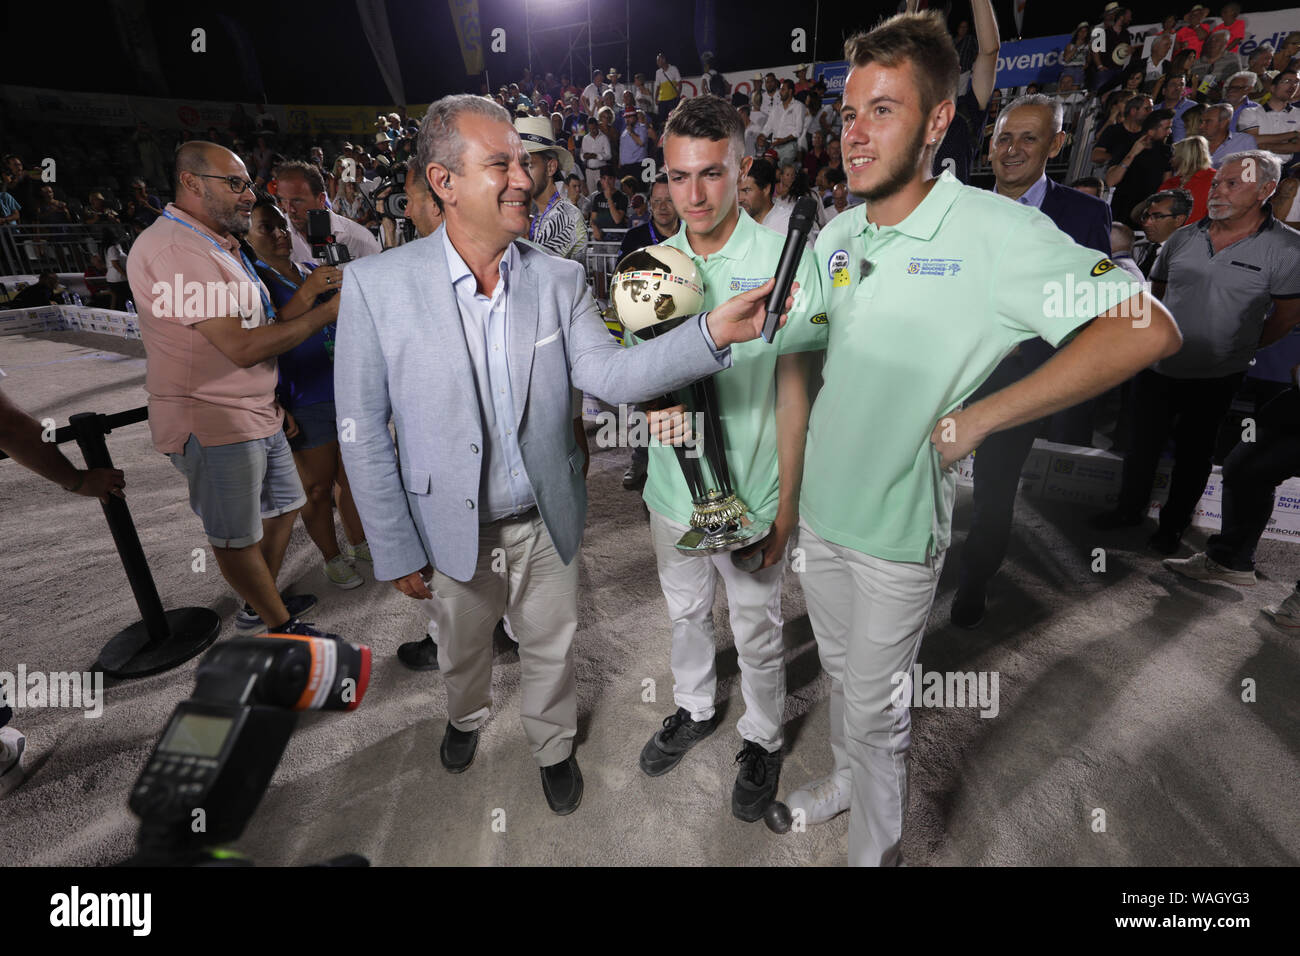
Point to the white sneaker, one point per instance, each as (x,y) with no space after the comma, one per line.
(1286,614)
(341,574)
(1199,567)
(358,552)
(12,772)
(822,799)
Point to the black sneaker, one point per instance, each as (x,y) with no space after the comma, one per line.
(306,629)
(419,655)
(248,624)
(662,751)
(756,781)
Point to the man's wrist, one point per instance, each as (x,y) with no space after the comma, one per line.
(76,486)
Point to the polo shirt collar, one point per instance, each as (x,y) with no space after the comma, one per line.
(736,247)
(1203,224)
(226,242)
(923,221)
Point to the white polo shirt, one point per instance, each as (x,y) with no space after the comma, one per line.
(789,120)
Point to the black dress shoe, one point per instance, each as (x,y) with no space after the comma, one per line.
(458,748)
(968,606)
(756,782)
(419,655)
(635,476)
(1165,542)
(1110,520)
(562,784)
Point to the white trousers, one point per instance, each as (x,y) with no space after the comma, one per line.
(868,616)
(689,583)
(540,593)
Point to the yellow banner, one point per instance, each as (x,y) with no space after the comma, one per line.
(464,14)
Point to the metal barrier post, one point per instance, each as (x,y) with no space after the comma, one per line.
(162,639)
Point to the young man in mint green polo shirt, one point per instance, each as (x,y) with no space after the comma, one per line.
(764,405)
(927,286)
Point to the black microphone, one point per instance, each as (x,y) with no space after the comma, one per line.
(801,221)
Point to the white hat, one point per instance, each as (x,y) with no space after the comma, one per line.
(538,137)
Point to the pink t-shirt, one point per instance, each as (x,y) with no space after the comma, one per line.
(1236,33)
(178,278)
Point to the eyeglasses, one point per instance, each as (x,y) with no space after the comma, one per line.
(1156,215)
(237,184)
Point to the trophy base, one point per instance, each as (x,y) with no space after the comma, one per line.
(720,524)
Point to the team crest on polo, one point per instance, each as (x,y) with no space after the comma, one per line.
(838,267)
(1102,267)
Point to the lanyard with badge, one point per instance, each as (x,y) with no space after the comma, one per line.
(288,283)
(532,227)
(242,261)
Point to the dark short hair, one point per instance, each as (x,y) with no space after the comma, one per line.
(707,117)
(571,177)
(834,176)
(1133,102)
(1088,182)
(609,171)
(296,167)
(1155,118)
(764,176)
(921,39)
(1181,203)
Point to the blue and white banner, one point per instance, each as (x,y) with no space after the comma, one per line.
(1031,61)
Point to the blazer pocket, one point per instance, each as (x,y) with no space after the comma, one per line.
(415,481)
(548,340)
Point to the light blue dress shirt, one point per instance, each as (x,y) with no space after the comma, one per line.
(1034,195)
(504,488)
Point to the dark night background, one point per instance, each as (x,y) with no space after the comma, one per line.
(317,53)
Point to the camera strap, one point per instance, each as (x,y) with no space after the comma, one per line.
(242,261)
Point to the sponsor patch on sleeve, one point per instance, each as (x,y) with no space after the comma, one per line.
(1102,267)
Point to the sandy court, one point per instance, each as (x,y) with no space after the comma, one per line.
(1118,692)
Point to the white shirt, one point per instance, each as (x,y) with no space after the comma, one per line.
(591,97)
(832,116)
(671,75)
(789,120)
(644,101)
(771,100)
(356,237)
(597,143)
(778,219)
(1269,121)
(115,264)
(504,488)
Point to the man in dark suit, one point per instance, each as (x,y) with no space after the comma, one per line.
(1027,135)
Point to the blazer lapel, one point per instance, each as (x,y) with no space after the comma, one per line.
(521,334)
(449,354)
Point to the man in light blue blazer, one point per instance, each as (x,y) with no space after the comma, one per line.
(470,341)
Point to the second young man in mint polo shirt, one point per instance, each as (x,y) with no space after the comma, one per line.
(764,405)
(928,285)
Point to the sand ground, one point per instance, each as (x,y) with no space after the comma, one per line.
(1119,692)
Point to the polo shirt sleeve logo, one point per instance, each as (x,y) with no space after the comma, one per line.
(1102,267)
(838,267)
(818,319)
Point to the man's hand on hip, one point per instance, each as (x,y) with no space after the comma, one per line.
(741,317)
(955,436)
(416,584)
